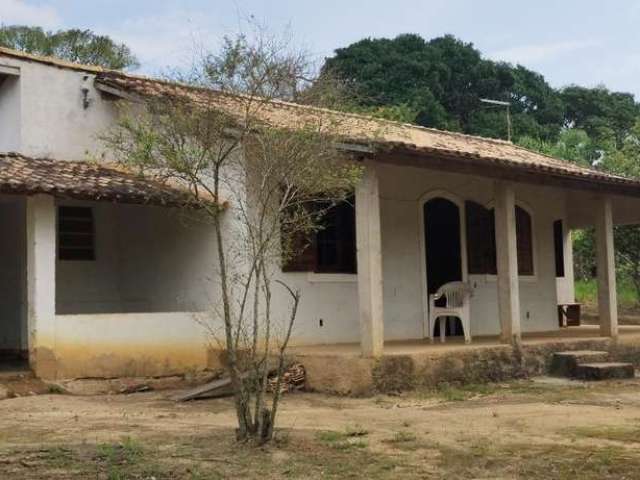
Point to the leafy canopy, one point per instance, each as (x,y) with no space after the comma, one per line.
(78,46)
(439,83)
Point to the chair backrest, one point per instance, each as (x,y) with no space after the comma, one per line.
(455,293)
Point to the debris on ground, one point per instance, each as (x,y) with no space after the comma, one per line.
(135,388)
(214,389)
(293,379)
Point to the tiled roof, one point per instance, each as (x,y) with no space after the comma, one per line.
(383,135)
(84,181)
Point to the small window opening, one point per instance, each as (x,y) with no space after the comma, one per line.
(76,234)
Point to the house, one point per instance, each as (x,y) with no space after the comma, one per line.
(100,275)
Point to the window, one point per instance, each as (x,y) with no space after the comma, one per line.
(524,241)
(481,240)
(333,248)
(76,233)
(558,242)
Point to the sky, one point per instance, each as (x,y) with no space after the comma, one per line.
(584,42)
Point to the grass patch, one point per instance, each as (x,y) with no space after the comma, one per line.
(624,434)
(552,462)
(406,441)
(587,293)
(350,438)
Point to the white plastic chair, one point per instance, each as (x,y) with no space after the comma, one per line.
(457,297)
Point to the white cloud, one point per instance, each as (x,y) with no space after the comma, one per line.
(540,52)
(19,12)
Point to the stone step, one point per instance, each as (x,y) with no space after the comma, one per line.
(564,364)
(604,370)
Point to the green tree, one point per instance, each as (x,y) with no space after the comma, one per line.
(78,46)
(441,81)
(607,117)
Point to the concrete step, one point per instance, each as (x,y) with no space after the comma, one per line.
(604,370)
(564,364)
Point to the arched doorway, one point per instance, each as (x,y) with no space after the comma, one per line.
(443,239)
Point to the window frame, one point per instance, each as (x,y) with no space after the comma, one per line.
(308,261)
(493,277)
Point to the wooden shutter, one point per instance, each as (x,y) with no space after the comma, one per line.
(481,246)
(558,242)
(524,232)
(476,235)
(76,233)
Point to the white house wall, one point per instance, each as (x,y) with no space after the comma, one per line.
(335,303)
(148,259)
(49,114)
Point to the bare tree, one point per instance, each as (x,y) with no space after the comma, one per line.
(276,182)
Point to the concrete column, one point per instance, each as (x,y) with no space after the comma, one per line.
(607,297)
(569,274)
(507,263)
(369,244)
(41,283)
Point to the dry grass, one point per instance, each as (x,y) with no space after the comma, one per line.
(515,430)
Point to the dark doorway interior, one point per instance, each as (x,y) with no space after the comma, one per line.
(13,331)
(443,253)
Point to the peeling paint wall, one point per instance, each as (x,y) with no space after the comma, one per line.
(131,345)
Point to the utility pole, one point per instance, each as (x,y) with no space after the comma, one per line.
(501,104)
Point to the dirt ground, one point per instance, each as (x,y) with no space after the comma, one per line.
(542,428)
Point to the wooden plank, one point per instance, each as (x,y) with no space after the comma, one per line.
(216,388)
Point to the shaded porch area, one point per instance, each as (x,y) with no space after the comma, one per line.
(103,274)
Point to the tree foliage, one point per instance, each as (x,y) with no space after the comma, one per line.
(442,81)
(439,83)
(78,46)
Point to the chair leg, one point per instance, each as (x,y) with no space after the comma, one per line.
(431,326)
(443,328)
(467,331)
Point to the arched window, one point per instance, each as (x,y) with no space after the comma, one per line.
(481,240)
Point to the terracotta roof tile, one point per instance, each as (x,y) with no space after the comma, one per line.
(383,135)
(84,181)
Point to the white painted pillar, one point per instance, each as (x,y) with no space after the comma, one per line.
(369,245)
(507,263)
(569,275)
(607,296)
(41,283)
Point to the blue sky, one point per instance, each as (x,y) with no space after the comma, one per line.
(588,42)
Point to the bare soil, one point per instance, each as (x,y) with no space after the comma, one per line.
(542,428)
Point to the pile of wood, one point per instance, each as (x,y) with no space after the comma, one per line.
(292,379)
